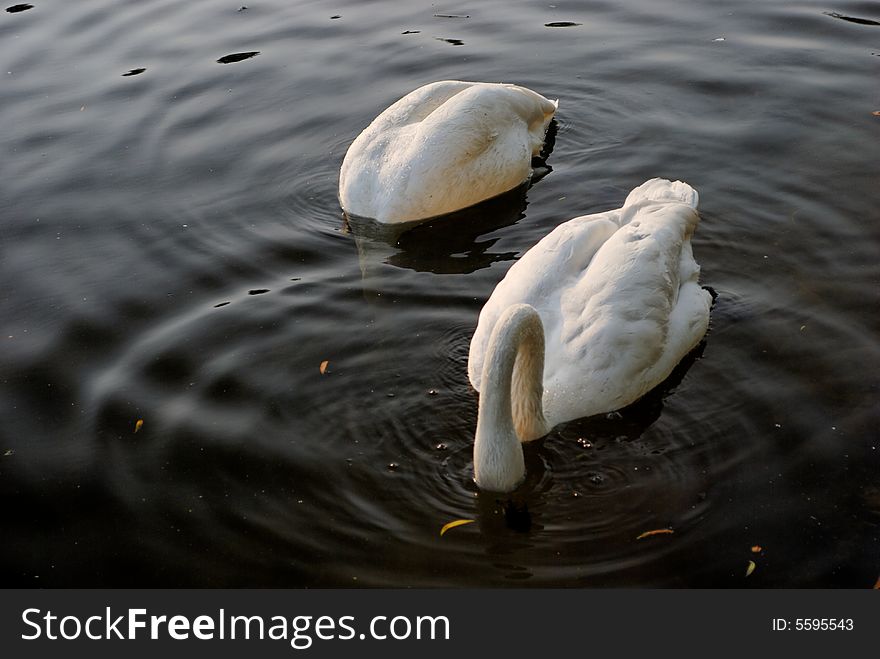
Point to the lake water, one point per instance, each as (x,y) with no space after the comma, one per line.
(173,251)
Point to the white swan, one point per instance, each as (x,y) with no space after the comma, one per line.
(443,147)
(595,315)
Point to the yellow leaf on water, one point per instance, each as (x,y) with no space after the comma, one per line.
(648,534)
(750,568)
(138,425)
(452,525)
(323,367)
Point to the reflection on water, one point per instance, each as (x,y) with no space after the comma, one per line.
(451,244)
(173,252)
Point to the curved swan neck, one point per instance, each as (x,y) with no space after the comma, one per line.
(510,408)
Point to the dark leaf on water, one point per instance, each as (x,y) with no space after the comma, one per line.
(258,291)
(411,32)
(454,42)
(451,16)
(852,19)
(133,72)
(561,24)
(237,57)
(14,9)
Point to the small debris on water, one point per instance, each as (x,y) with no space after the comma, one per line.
(432,392)
(561,24)
(237,57)
(453,524)
(133,72)
(451,16)
(258,291)
(441,446)
(852,19)
(585,442)
(393,466)
(454,42)
(14,9)
(411,32)
(221,304)
(648,534)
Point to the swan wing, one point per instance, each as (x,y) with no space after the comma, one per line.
(538,279)
(633,314)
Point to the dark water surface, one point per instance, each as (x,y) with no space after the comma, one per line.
(172,250)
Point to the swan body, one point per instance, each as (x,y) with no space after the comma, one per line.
(591,318)
(443,147)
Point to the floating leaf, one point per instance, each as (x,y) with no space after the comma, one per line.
(750,568)
(648,534)
(138,425)
(851,19)
(323,367)
(452,525)
(561,24)
(237,57)
(757,549)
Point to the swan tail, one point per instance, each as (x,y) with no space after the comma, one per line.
(658,189)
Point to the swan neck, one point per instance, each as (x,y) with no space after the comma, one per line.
(510,409)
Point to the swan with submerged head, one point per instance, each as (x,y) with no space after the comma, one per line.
(444,147)
(590,319)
